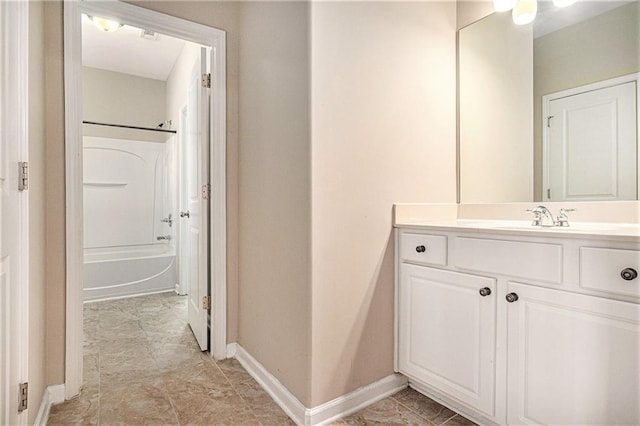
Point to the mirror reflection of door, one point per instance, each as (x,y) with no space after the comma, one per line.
(591,145)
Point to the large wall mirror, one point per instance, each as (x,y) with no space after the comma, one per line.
(549,111)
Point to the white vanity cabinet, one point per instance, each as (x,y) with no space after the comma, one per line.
(520,329)
(573,359)
(447,332)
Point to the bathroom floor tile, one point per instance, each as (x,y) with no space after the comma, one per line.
(142,365)
(386,412)
(423,406)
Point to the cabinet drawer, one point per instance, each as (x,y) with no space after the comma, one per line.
(431,249)
(601,268)
(536,261)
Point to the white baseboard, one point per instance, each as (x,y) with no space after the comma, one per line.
(52,395)
(231,350)
(280,394)
(356,400)
(324,413)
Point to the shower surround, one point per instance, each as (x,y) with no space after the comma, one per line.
(127,193)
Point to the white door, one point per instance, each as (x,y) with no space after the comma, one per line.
(572,359)
(13,212)
(195,236)
(447,333)
(592,145)
(183,204)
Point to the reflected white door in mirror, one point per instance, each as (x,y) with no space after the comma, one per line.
(509,328)
(589,143)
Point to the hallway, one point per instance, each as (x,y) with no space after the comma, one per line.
(143,366)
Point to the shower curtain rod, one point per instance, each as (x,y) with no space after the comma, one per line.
(130,127)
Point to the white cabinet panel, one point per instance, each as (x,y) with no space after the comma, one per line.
(600,270)
(572,359)
(422,248)
(537,261)
(447,333)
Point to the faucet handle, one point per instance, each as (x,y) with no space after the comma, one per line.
(538,215)
(563,220)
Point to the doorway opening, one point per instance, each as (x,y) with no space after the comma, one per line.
(142,128)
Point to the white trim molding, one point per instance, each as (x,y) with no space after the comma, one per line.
(52,395)
(175,27)
(14,134)
(325,413)
(231,350)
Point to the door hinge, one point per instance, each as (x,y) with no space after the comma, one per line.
(206,302)
(23,176)
(549,120)
(549,193)
(206,80)
(23,397)
(206,191)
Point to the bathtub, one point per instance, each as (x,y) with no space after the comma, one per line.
(127,271)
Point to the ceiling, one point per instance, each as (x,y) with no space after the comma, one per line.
(125,51)
(551,18)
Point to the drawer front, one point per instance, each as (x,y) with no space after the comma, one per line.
(536,261)
(430,249)
(601,268)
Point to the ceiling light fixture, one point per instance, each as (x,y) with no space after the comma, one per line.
(105,25)
(524,11)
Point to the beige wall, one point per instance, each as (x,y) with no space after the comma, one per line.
(383,131)
(275,194)
(37,288)
(468,12)
(55,190)
(116,98)
(600,48)
(496,110)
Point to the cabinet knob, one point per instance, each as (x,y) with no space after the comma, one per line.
(485,291)
(629,274)
(511,297)
(421,249)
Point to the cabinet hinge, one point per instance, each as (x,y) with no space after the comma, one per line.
(23,176)
(549,193)
(23,397)
(206,302)
(206,191)
(206,80)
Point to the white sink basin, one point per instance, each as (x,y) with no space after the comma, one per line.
(526,226)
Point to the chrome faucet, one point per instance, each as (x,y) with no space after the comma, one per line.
(543,217)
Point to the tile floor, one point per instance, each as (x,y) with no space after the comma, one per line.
(143,366)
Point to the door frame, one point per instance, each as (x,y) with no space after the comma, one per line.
(175,27)
(14,129)
(603,84)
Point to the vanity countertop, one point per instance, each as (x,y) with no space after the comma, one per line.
(585,230)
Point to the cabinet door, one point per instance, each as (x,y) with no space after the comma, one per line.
(447,333)
(572,359)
